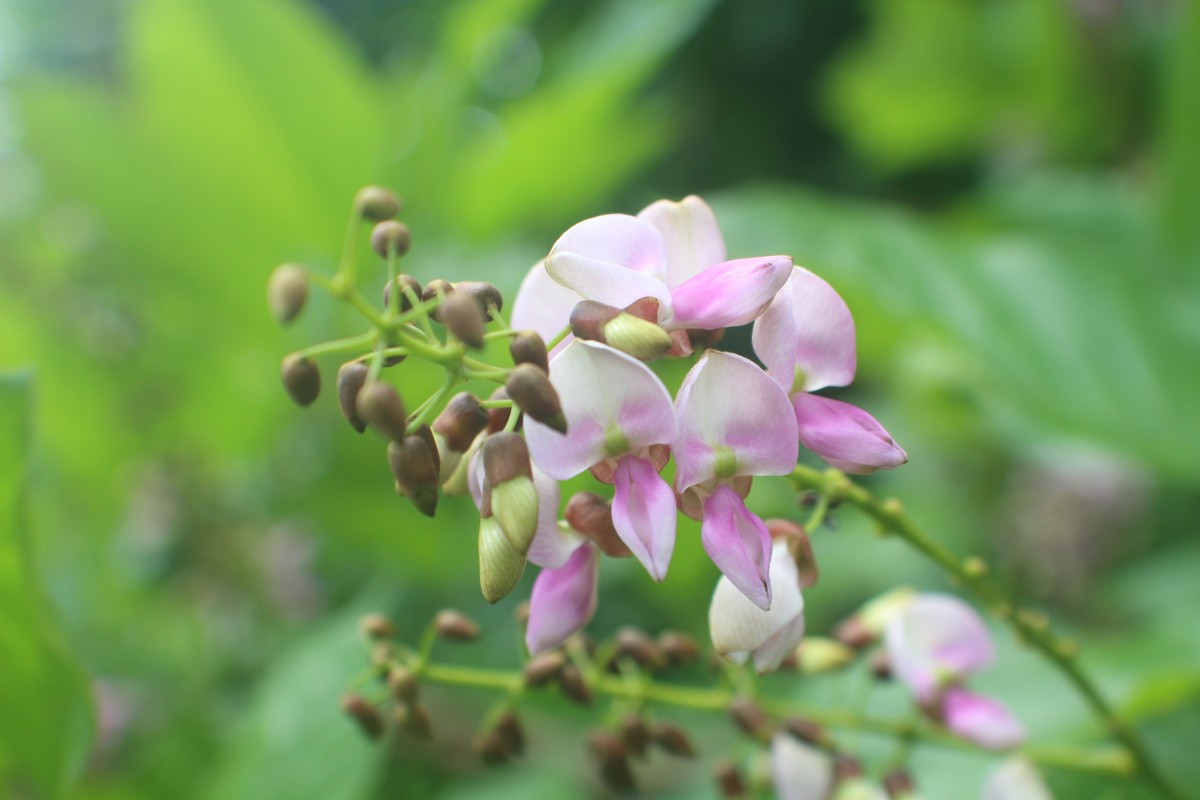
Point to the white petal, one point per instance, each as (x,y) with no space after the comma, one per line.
(736,624)
(551,546)
(799,771)
(692,237)
(543,305)
(807,327)
(614,259)
(1015,779)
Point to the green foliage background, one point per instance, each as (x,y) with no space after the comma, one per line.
(1005,193)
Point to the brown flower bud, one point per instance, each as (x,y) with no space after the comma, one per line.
(806,731)
(574,687)
(461,316)
(881,665)
(376,203)
(521,613)
(528,347)
(673,740)
(729,779)
(287,292)
(679,647)
(405,284)
(898,784)
(416,472)
(591,515)
(461,421)
(635,733)
(379,404)
(635,644)
(509,491)
(402,684)
(846,768)
(627,332)
(530,388)
(364,715)
(491,749)
(455,627)
(853,633)
(612,760)
(414,719)
(512,734)
(543,668)
(486,296)
(702,338)
(436,288)
(498,417)
(390,236)
(350,380)
(799,547)
(747,715)
(376,626)
(301,379)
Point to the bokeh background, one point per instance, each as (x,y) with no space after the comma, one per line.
(1005,191)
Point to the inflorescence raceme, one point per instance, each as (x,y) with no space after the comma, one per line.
(575,395)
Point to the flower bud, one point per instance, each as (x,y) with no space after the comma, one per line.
(611,757)
(513,496)
(350,380)
(799,547)
(500,565)
(415,469)
(527,347)
(287,292)
(390,236)
(818,655)
(673,740)
(485,295)
(414,719)
(461,316)
(530,388)
(376,203)
(591,515)
(436,288)
(747,715)
(639,338)
(460,422)
(899,785)
(679,648)
(543,668)
(457,472)
(512,734)
(633,643)
(376,626)
(635,733)
(379,404)
(455,627)
(881,666)
(729,780)
(364,715)
(301,379)
(402,684)
(574,687)
(405,284)
(491,749)
(806,731)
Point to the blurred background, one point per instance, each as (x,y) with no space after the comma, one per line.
(1005,192)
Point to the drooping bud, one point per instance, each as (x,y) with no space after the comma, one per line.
(512,734)
(460,314)
(612,761)
(364,715)
(436,288)
(673,740)
(509,478)
(376,627)
(455,626)
(639,338)
(402,684)
(881,666)
(530,388)
(806,731)
(460,422)
(635,644)
(818,655)
(680,648)
(799,547)
(390,236)
(574,687)
(591,515)
(543,668)
(729,779)
(528,347)
(350,380)
(404,284)
(379,405)
(491,749)
(376,203)
(414,719)
(635,733)
(301,379)
(899,785)
(500,565)
(486,296)
(415,468)
(287,292)
(748,716)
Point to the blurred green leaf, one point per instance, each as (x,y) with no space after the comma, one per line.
(46,726)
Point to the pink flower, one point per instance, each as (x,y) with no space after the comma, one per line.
(734,422)
(806,340)
(617,410)
(672,252)
(563,600)
(741,630)
(982,720)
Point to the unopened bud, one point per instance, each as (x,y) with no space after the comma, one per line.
(528,347)
(455,626)
(461,421)
(512,734)
(875,614)
(491,749)
(376,626)
(350,380)
(673,740)
(390,237)
(500,565)
(799,547)
(574,687)
(806,731)
(287,292)
(485,295)
(846,768)
(612,761)
(513,496)
(376,203)
(881,665)
(405,284)
(416,472)
(635,733)
(402,684)
(364,715)
(748,716)
(530,388)
(414,719)
(591,515)
(301,379)
(498,417)
(818,655)
(729,779)
(457,482)
(461,316)
(543,668)
(899,784)
(639,338)
(701,338)
(436,288)
(635,644)
(379,405)
(679,648)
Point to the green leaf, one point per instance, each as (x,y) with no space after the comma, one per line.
(45,727)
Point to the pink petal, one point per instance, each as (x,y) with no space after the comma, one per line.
(689,229)
(551,546)
(603,392)
(1015,779)
(934,640)
(728,401)
(807,327)
(844,435)
(727,294)
(982,720)
(739,544)
(563,600)
(643,512)
(543,305)
(799,771)
(740,628)
(613,259)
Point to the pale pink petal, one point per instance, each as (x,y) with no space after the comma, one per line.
(643,512)
(982,720)
(727,294)
(543,305)
(771,653)
(1015,779)
(740,628)
(807,327)
(563,600)
(551,546)
(934,640)
(614,259)
(739,544)
(799,771)
(475,478)
(692,236)
(727,401)
(613,404)
(844,435)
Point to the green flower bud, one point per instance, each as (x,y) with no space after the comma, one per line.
(287,292)
(379,404)
(530,388)
(500,565)
(511,493)
(389,236)
(818,655)
(376,203)
(626,332)
(301,379)
(350,380)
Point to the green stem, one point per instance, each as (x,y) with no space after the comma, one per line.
(349,344)
(971,573)
(558,337)
(434,403)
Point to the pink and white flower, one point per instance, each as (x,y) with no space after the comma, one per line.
(734,423)
(563,600)
(741,630)
(544,306)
